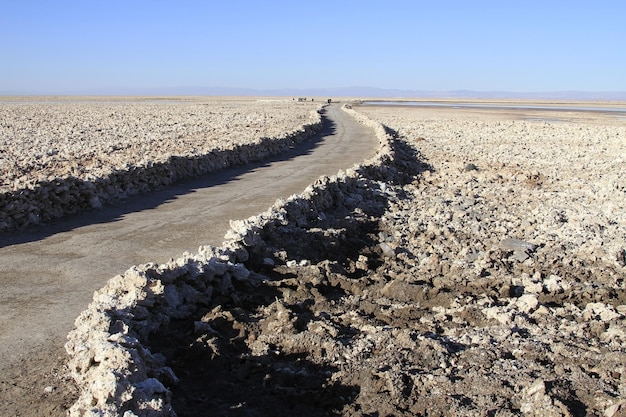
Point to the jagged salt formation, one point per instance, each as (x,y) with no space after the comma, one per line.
(115,373)
(58,159)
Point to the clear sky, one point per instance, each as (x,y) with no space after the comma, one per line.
(523,46)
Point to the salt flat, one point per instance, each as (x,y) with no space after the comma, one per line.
(59,156)
(90,137)
(476,265)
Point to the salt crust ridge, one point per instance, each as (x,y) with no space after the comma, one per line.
(116,375)
(43,200)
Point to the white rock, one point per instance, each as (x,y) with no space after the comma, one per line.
(527,303)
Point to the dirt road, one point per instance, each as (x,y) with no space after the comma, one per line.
(48,274)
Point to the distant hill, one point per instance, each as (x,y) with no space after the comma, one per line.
(373,92)
(461,94)
(355,91)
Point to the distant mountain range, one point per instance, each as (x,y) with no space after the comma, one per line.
(357,91)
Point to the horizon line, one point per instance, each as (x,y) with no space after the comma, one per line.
(350,91)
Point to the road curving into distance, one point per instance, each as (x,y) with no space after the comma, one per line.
(48,274)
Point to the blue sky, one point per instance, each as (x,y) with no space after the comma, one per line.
(525,46)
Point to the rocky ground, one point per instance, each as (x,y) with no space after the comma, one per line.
(60,156)
(476,268)
(41,140)
(486,280)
